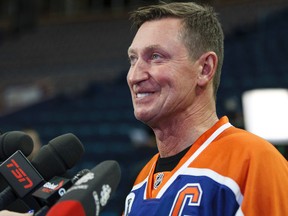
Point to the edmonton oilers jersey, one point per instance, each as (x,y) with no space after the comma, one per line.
(211,179)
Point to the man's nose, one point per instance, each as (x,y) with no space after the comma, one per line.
(138,72)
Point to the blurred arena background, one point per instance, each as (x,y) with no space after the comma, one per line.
(63,66)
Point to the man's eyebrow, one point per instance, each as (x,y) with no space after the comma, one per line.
(148,48)
(153,47)
(131,50)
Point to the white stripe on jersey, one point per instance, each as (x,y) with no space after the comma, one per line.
(192,158)
(223,180)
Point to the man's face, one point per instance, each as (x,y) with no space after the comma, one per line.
(162,76)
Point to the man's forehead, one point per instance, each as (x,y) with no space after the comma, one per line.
(156,34)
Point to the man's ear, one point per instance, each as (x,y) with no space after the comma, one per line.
(209,63)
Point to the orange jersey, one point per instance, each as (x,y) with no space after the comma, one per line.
(227,171)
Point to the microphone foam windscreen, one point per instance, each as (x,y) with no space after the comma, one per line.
(70,150)
(60,154)
(12,141)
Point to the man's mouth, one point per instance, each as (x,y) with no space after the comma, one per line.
(142,95)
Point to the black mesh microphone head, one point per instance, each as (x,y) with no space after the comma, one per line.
(79,175)
(58,155)
(91,193)
(12,141)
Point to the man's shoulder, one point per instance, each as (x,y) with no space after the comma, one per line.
(245,141)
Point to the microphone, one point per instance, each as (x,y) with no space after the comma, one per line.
(90,194)
(24,177)
(52,190)
(60,154)
(12,141)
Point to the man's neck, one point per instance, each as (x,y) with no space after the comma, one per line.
(180,134)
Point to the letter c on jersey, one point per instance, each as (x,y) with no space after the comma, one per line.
(189,195)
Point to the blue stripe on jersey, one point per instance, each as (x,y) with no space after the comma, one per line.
(216,199)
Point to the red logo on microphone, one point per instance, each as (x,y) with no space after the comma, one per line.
(49,187)
(19,174)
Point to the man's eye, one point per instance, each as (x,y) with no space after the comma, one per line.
(155,56)
(132,60)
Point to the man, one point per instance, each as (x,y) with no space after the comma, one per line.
(205,166)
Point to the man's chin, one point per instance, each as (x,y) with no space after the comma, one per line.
(142,116)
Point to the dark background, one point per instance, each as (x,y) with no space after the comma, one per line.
(63,65)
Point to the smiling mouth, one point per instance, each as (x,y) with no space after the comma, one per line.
(142,95)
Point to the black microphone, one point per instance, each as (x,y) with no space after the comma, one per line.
(90,194)
(24,177)
(51,191)
(60,154)
(12,141)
